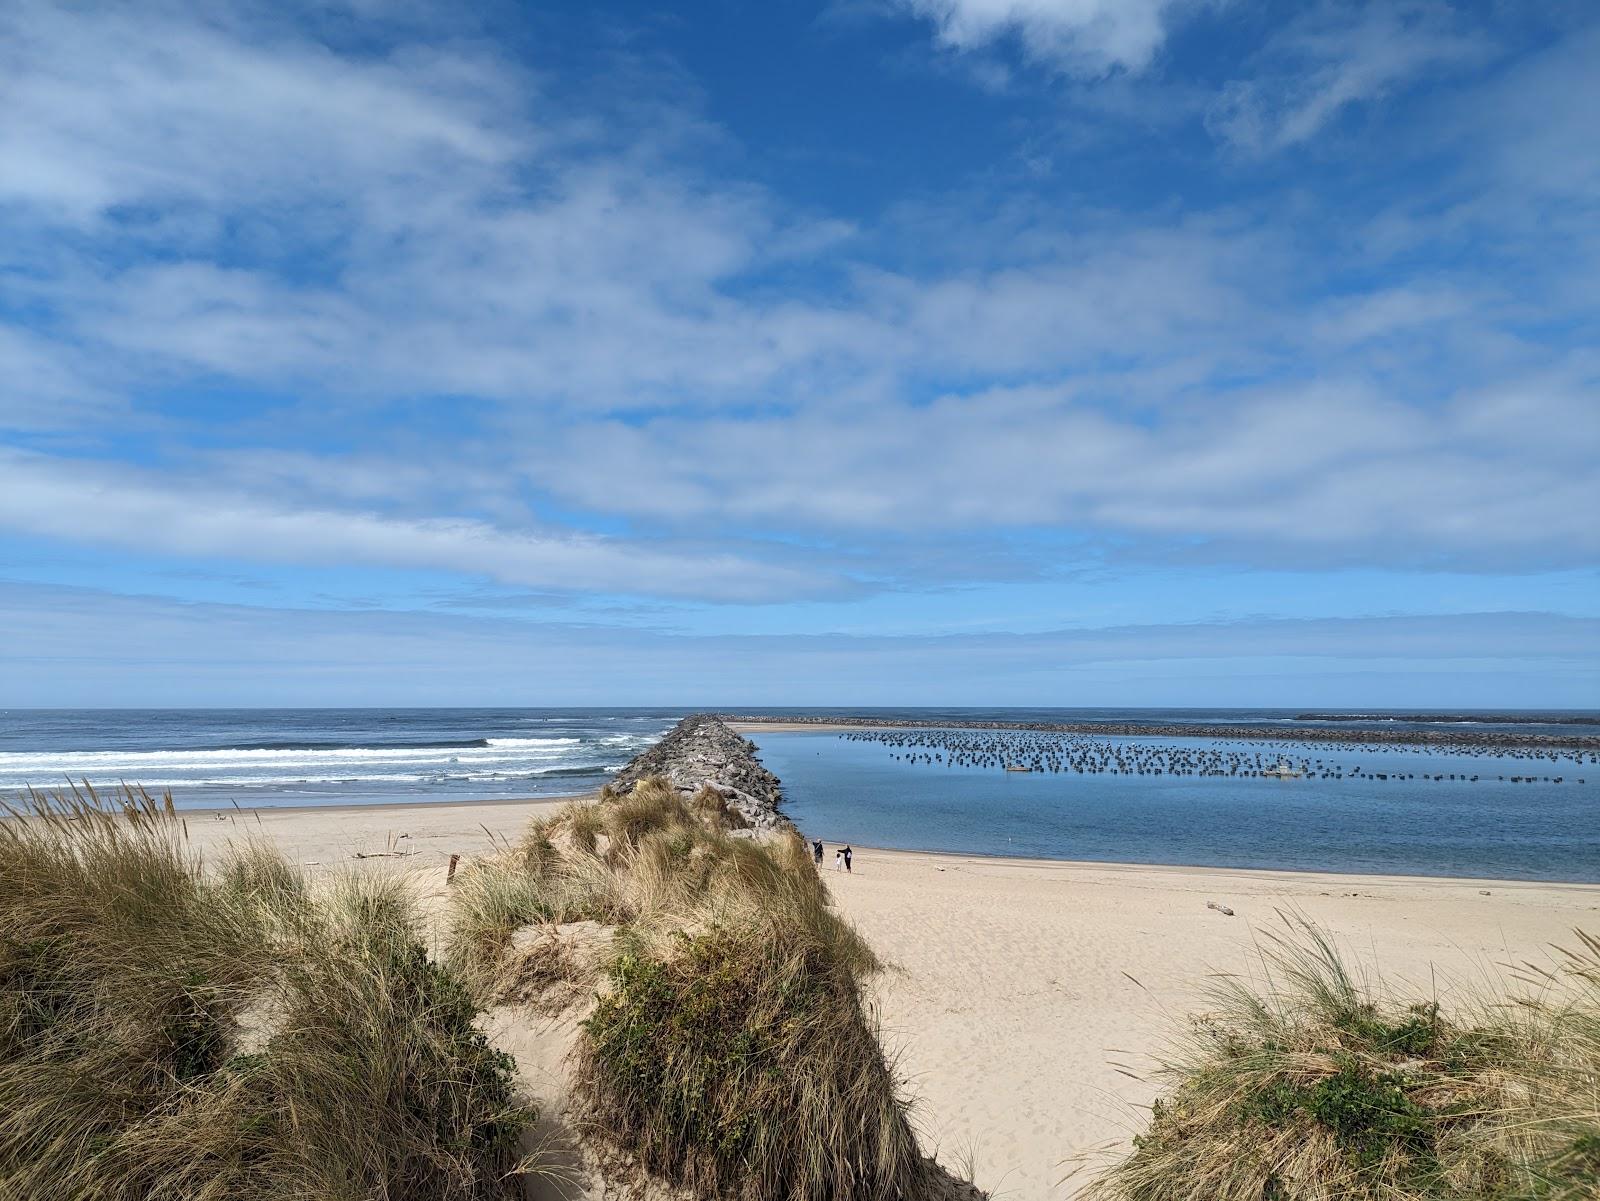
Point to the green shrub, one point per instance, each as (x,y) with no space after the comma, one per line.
(1369,1113)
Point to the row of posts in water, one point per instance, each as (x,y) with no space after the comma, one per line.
(1087,755)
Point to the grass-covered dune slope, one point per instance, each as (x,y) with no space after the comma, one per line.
(1311,1085)
(727,1049)
(165,1033)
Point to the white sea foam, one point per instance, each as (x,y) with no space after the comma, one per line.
(532,742)
(100,764)
(264,767)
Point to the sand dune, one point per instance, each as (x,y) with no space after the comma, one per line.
(1023,992)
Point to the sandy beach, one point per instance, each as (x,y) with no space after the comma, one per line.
(331,838)
(1023,993)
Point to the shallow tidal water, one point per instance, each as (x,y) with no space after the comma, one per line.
(845,790)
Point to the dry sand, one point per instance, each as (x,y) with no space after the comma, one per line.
(418,837)
(1023,990)
(1026,989)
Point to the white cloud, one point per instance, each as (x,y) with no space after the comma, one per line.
(1328,470)
(1394,312)
(44,388)
(424,223)
(249,202)
(102,504)
(431,233)
(1334,57)
(109,106)
(1080,37)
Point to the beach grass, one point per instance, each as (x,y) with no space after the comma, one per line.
(1312,1083)
(728,1050)
(169,1033)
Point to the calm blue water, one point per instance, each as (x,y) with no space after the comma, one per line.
(277,757)
(843,790)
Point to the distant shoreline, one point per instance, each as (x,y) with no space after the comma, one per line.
(1454,737)
(1465,719)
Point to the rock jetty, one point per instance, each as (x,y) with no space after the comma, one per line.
(701,752)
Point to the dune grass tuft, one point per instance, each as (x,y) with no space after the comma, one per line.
(742,1065)
(1314,1085)
(168,1034)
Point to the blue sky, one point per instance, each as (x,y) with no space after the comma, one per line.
(1075,352)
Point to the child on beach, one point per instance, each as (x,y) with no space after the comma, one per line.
(838,859)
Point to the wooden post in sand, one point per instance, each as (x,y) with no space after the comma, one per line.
(451,873)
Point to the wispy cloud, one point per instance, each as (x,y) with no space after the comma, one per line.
(1336,56)
(1079,37)
(83,501)
(1329,471)
(113,109)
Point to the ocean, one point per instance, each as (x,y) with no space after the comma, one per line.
(1357,808)
(258,758)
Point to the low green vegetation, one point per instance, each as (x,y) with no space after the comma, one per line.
(1313,1087)
(165,1034)
(728,1050)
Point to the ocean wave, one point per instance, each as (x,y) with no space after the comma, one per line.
(531,742)
(416,778)
(156,784)
(428,744)
(588,769)
(200,758)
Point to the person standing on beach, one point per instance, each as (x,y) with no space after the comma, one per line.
(838,859)
(847,855)
(816,852)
